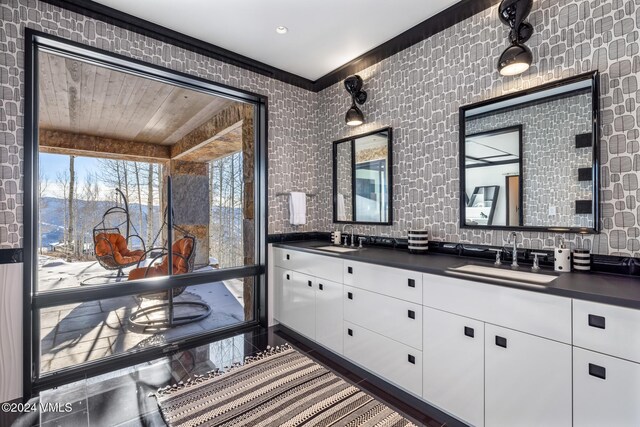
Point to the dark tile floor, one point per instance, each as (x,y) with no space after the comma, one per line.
(122,398)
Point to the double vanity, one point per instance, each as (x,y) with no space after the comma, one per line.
(519,348)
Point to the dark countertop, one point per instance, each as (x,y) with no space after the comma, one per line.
(604,288)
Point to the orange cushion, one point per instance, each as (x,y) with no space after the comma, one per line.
(121,253)
(182,247)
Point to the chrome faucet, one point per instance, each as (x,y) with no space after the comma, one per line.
(514,254)
(344,227)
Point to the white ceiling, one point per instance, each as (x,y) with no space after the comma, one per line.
(323,34)
(489,148)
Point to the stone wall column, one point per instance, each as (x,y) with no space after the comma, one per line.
(191,203)
(248,210)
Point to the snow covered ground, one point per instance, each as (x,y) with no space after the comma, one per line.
(77,333)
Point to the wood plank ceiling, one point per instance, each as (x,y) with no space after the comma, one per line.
(83,98)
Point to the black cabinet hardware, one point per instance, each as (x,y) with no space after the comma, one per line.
(288,277)
(350,332)
(349,295)
(288,257)
(350,270)
(320,286)
(596,321)
(501,342)
(411,359)
(597,371)
(412,283)
(309,283)
(469,332)
(411,314)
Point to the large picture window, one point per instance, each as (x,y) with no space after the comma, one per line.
(145,200)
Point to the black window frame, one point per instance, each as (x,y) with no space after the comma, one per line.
(33,300)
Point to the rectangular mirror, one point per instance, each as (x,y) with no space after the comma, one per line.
(362,178)
(529,160)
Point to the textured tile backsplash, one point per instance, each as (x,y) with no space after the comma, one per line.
(419,91)
(293,158)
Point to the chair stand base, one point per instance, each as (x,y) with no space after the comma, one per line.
(153,325)
(104,279)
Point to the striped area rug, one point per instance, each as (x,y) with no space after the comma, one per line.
(279,387)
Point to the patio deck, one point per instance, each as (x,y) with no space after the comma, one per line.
(76,333)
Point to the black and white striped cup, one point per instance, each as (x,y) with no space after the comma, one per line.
(581,260)
(418,241)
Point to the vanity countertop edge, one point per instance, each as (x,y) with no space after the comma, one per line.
(604,288)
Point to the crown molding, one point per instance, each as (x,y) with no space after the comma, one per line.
(433,25)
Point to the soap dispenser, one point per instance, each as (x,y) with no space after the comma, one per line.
(336,237)
(562,258)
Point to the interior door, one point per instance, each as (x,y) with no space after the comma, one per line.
(513,200)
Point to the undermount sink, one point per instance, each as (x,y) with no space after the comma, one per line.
(503,274)
(338,249)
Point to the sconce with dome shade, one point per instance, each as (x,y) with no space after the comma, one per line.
(517,58)
(353,85)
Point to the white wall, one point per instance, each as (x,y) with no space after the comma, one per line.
(10,331)
(492,175)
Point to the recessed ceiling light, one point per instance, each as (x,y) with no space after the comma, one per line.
(281,30)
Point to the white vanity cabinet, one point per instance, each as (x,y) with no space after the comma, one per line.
(606,368)
(310,305)
(488,355)
(397,363)
(527,379)
(513,371)
(328,312)
(606,390)
(297,302)
(453,364)
(391,317)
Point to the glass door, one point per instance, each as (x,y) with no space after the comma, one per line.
(146,204)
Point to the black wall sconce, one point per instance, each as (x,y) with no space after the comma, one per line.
(353,85)
(517,58)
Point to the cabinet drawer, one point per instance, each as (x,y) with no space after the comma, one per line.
(396,319)
(547,316)
(607,329)
(402,284)
(606,390)
(391,360)
(325,267)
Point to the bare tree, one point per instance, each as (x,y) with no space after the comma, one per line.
(88,212)
(43,184)
(150,210)
(136,170)
(62,180)
(226,222)
(71,202)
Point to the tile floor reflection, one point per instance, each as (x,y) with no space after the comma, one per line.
(123,397)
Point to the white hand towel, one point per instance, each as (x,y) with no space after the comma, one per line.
(342,213)
(297,208)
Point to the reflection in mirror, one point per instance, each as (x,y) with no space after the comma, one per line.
(530,159)
(345,184)
(493,163)
(362,178)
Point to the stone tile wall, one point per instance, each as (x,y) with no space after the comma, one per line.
(293,159)
(418,91)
